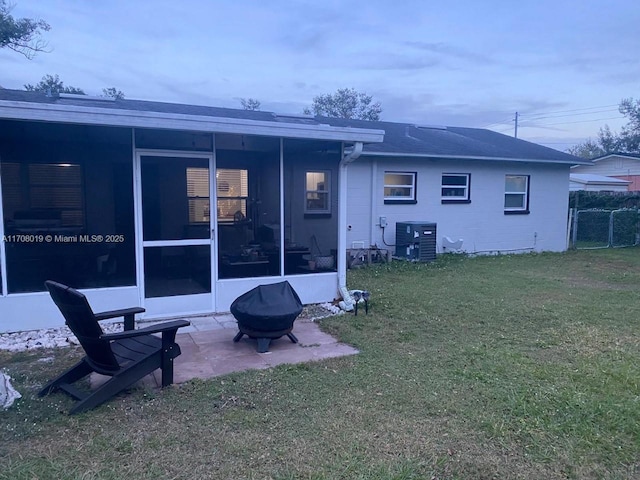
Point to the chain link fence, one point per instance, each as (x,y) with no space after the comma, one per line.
(598,228)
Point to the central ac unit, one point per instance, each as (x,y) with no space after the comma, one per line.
(416,241)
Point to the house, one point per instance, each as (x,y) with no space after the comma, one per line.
(493,192)
(596,183)
(182,208)
(625,166)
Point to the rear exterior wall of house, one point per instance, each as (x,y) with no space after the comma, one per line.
(533,220)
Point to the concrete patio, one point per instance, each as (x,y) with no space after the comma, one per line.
(208,349)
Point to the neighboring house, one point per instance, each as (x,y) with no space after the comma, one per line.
(180,208)
(625,166)
(596,183)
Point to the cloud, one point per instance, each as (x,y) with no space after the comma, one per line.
(394,61)
(445,50)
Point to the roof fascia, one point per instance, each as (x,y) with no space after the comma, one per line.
(175,121)
(610,155)
(599,182)
(471,157)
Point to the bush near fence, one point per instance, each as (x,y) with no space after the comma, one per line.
(604,200)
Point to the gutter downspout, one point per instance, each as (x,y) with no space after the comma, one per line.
(347,158)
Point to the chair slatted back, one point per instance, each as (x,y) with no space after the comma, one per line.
(80,319)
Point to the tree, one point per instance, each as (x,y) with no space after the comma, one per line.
(250,103)
(629,137)
(627,141)
(113,92)
(21,35)
(588,149)
(52,85)
(345,103)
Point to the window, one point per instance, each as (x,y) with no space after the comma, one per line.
(456,188)
(67,205)
(400,187)
(198,194)
(316,193)
(233,192)
(58,186)
(516,194)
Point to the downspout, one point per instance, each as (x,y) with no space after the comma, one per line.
(347,158)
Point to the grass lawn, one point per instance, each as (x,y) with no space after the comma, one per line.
(494,367)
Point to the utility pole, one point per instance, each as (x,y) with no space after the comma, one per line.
(516,120)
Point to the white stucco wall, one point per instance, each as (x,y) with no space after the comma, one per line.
(481,224)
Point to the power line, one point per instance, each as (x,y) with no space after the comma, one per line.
(501,122)
(552,114)
(579,121)
(576,109)
(571,114)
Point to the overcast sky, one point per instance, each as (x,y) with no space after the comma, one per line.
(563,65)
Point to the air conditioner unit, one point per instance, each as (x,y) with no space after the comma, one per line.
(416,241)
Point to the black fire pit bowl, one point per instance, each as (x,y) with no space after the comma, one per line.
(267,312)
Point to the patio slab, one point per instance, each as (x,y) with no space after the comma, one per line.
(208,349)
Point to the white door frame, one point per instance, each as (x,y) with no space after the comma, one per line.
(180,304)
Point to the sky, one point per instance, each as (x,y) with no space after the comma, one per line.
(563,65)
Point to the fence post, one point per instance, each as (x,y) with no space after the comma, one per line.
(569,225)
(575,228)
(611,230)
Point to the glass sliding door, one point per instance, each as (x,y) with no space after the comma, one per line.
(248,206)
(176,232)
(310,206)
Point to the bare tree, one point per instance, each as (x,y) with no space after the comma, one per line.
(113,92)
(250,103)
(21,35)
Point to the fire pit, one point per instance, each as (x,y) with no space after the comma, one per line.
(267,312)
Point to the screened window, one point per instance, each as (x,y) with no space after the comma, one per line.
(317,193)
(67,205)
(455,187)
(233,192)
(400,187)
(516,194)
(198,194)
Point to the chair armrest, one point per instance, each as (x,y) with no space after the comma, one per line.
(159,328)
(127,313)
(118,313)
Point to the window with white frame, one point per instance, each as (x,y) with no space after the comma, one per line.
(317,192)
(456,187)
(516,194)
(232,189)
(400,187)
(198,194)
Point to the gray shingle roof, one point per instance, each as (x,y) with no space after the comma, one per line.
(399,139)
(405,138)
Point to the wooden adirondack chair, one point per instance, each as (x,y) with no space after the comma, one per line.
(125,356)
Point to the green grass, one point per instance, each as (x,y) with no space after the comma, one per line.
(492,367)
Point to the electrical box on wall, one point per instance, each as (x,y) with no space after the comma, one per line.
(416,241)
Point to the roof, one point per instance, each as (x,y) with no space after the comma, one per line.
(592,179)
(404,139)
(82,109)
(400,139)
(616,154)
